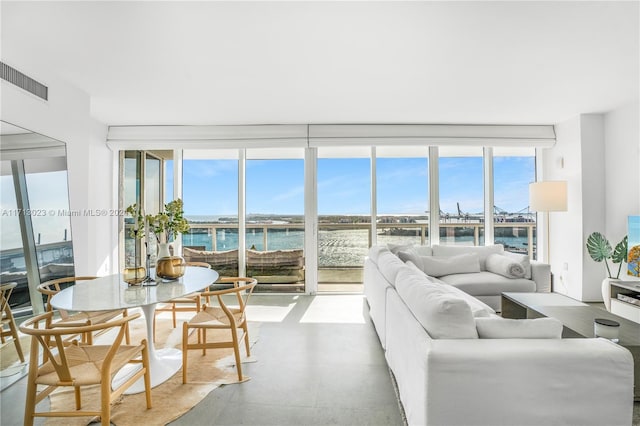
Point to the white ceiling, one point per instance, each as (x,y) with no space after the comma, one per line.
(332,62)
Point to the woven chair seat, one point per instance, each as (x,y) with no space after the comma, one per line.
(77,365)
(85,364)
(189,298)
(215,317)
(221,317)
(190,302)
(84,318)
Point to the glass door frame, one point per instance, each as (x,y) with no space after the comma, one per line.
(140,198)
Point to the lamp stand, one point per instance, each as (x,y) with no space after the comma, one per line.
(547,252)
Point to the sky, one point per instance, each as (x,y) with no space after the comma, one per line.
(48,201)
(210,187)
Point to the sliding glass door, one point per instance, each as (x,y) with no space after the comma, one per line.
(514,224)
(344,216)
(461,195)
(402,195)
(275,219)
(210,195)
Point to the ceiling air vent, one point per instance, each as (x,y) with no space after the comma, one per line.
(25,82)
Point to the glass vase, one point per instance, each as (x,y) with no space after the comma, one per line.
(134,275)
(169,267)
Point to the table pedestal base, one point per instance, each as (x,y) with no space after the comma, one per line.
(163,366)
(163,363)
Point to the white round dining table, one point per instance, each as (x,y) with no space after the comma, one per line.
(111,292)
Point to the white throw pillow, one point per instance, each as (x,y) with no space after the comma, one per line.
(522,259)
(505,266)
(503,328)
(440,266)
(443,315)
(481,251)
(478,307)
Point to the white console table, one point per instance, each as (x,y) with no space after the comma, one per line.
(625,308)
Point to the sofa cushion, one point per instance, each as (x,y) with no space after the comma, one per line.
(478,307)
(443,315)
(460,264)
(481,251)
(488,284)
(523,259)
(389,265)
(505,266)
(374,252)
(395,248)
(503,328)
(423,250)
(410,255)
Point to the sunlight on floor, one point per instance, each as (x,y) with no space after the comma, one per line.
(268,313)
(342,309)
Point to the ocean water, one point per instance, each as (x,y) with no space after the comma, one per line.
(336,248)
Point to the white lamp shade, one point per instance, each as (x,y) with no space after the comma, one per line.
(550,196)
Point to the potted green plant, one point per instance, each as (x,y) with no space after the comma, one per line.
(169,223)
(166,226)
(600,250)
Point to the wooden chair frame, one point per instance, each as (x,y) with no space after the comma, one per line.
(52,287)
(63,358)
(193,302)
(8,319)
(222,317)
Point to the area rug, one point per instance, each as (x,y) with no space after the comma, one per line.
(171,399)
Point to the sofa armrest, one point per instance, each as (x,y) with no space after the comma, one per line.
(528,382)
(541,275)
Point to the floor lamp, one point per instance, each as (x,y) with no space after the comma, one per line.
(550,196)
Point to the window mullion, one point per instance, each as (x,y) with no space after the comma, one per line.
(434,196)
(488,195)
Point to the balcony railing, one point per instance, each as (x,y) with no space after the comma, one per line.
(515,236)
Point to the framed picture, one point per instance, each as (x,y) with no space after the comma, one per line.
(633,258)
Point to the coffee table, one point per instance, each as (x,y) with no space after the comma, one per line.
(577,320)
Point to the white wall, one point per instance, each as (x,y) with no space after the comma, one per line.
(564,162)
(622,162)
(66,117)
(598,155)
(593,201)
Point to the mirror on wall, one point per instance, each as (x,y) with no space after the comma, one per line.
(35,237)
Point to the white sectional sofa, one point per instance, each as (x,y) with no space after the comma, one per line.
(479,271)
(458,363)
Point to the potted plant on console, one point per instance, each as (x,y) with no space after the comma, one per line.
(166,226)
(600,250)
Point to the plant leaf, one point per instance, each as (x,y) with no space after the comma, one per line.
(620,252)
(598,247)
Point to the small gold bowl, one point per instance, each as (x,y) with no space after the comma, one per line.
(134,275)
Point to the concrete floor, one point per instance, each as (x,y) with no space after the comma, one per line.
(319,363)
